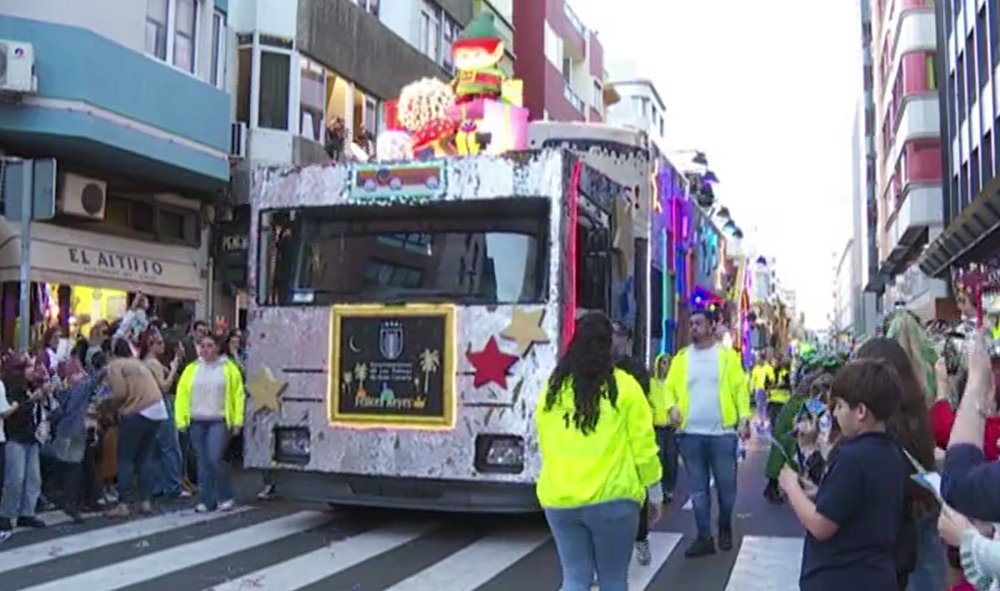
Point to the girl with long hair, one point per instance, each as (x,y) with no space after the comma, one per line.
(210,402)
(599,460)
(920,556)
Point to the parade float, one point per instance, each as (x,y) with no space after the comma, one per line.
(407,312)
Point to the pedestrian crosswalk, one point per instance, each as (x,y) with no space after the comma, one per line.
(289,548)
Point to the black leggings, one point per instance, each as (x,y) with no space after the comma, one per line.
(643,533)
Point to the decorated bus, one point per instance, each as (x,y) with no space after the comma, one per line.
(408,311)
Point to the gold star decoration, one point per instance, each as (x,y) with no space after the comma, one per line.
(525,329)
(265,389)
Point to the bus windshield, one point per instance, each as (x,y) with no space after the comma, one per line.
(472,252)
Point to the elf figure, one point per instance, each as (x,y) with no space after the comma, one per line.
(477,53)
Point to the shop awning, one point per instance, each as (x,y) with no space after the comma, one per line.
(970,237)
(76,257)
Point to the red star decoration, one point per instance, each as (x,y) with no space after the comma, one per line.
(491,364)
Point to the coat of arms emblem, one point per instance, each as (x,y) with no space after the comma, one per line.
(390,339)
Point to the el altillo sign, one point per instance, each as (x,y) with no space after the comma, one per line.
(114,264)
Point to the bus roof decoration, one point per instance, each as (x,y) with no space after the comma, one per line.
(482,113)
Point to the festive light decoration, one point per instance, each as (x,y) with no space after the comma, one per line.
(394,145)
(479,111)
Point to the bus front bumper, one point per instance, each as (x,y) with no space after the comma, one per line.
(407,493)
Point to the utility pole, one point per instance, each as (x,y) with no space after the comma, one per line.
(29,190)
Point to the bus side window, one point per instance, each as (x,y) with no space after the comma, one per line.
(594,270)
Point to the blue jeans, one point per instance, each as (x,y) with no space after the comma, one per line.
(136,438)
(931,573)
(595,538)
(666,438)
(167,455)
(209,439)
(714,455)
(22,480)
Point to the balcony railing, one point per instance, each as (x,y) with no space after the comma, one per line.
(574,20)
(572,97)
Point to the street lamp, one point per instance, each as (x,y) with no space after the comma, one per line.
(709,177)
(723,213)
(699,158)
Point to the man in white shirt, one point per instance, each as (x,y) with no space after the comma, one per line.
(709,400)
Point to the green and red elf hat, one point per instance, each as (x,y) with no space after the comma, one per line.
(481,33)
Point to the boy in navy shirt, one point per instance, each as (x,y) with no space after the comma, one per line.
(852,526)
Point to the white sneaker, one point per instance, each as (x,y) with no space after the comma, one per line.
(227,505)
(201,508)
(268,492)
(642,553)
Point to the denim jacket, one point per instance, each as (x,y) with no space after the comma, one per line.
(69,418)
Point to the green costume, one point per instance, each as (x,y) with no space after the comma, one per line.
(782,430)
(469,84)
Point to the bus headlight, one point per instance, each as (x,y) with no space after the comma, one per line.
(291,445)
(500,453)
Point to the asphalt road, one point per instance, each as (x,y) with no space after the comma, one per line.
(279,546)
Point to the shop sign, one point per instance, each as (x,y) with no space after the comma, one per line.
(117,265)
(233,247)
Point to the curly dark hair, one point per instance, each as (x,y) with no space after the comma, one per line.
(588,363)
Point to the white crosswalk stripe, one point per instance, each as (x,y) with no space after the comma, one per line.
(242,550)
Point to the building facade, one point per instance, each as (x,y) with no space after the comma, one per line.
(561,62)
(970,50)
(309,77)
(844,294)
(131,102)
(908,179)
(640,106)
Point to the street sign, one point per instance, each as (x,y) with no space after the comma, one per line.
(43,190)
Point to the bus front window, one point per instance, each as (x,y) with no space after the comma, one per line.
(472,252)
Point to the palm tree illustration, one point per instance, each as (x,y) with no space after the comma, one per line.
(430,361)
(361,373)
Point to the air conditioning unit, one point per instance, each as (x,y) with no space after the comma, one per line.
(238,140)
(17,67)
(81,196)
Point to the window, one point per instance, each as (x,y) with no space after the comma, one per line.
(185,29)
(312,95)
(932,83)
(371,116)
(218,77)
(380,273)
(450,30)
(430,30)
(244,73)
(995,31)
(598,95)
(172,32)
(473,252)
(567,70)
(369,6)
(156,28)
(275,69)
(982,48)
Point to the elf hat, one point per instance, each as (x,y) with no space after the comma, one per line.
(481,33)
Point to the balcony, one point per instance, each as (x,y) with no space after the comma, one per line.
(133,113)
(572,97)
(918,120)
(907,230)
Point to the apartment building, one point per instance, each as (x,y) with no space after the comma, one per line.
(970,48)
(129,98)
(561,61)
(638,104)
(908,179)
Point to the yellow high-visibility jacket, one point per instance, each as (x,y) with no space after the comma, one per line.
(617,461)
(734,391)
(234,403)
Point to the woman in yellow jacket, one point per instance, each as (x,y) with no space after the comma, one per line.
(210,402)
(599,460)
